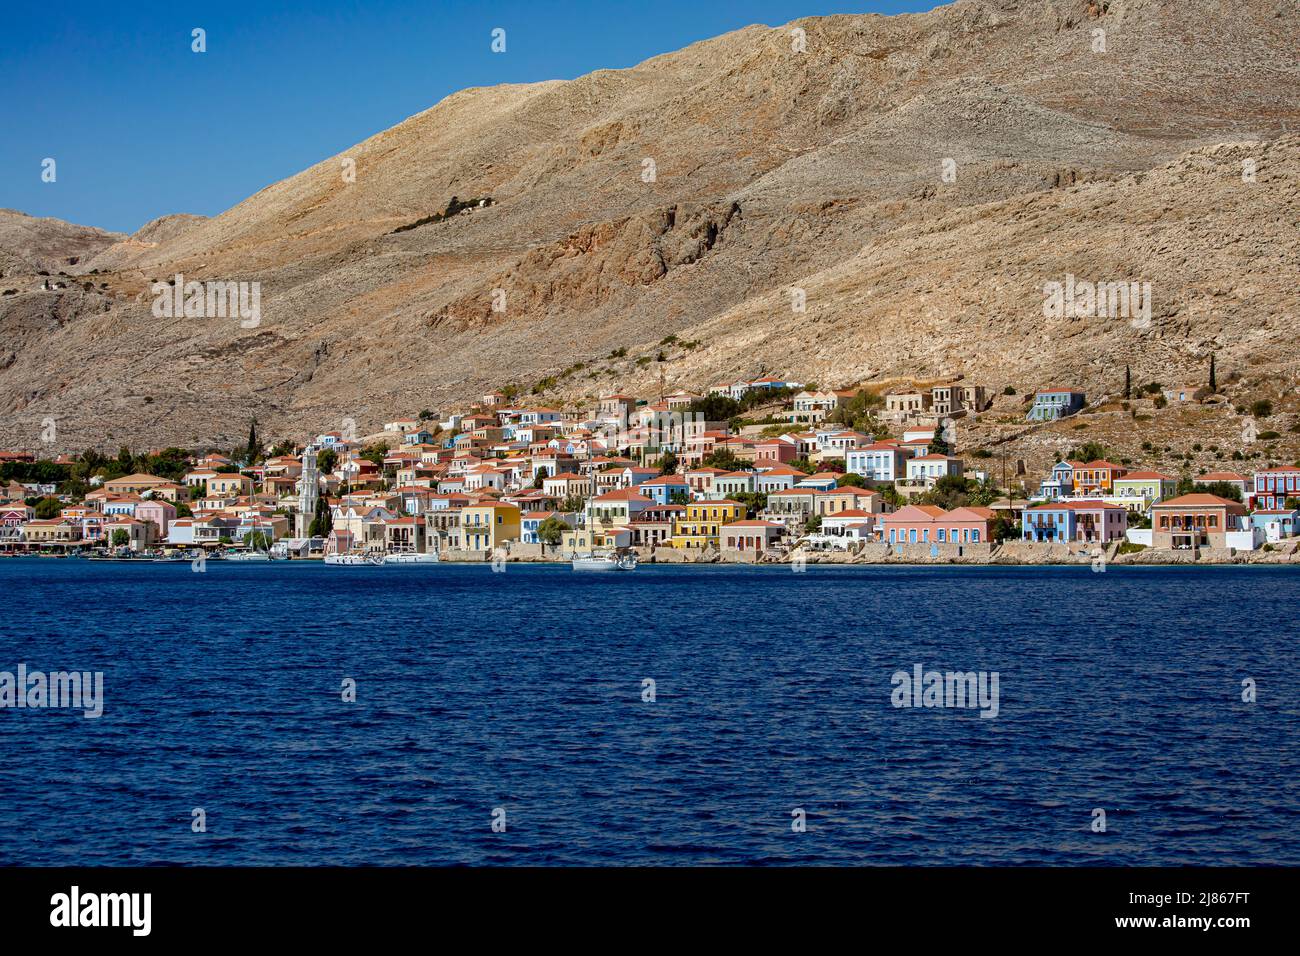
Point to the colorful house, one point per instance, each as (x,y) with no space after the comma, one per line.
(1273,486)
(881,461)
(1055,402)
(701,527)
(1139,490)
(1195,521)
(1064,521)
(1059,482)
(618,507)
(1096,477)
(487,526)
(927,469)
(1277,523)
(753,535)
(930,524)
(662,489)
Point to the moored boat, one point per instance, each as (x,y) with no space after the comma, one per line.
(355,558)
(411,557)
(604,561)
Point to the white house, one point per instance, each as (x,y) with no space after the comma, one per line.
(930,468)
(881,461)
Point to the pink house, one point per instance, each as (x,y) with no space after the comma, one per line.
(930,524)
(161,513)
(774,451)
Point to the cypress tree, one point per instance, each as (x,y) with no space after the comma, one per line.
(1128,382)
(322,523)
(253,447)
(1214,384)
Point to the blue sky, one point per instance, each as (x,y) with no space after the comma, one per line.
(141,126)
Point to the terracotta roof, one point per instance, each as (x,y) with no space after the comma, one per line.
(1197,500)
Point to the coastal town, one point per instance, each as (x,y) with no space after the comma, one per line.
(764,470)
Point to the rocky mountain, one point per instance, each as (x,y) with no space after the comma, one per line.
(30,246)
(914,181)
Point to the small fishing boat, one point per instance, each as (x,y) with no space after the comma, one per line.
(604,561)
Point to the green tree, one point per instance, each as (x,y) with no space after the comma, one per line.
(679,498)
(121,537)
(48,508)
(254,450)
(668,463)
(723,458)
(259,541)
(1088,451)
(892,497)
(850,480)
(716,408)
(1005,527)
(326,459)
(551,531)
(1223,489)
(1214,381)
(1128,379)
(754,501)
(322,522)
(949,492)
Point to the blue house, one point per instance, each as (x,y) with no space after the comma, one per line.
(661,490)
(1276,522)
(1059,482)
(1053,403)
(1047,523)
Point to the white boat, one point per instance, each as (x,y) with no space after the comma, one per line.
(411,557)
(355,558)
(604,561)
(248,556)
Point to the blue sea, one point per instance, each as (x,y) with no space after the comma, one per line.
(520,696)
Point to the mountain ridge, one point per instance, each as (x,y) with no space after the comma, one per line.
(774,169)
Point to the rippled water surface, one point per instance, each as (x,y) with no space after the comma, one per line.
(523,691)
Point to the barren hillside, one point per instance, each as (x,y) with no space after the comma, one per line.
(920,178)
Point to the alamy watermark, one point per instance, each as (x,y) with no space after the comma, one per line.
(966,689)
(82,690)
(208,300)
(1078,299)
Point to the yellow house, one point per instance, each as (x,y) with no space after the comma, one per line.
(486,526)
(229,485)
(702,525)
(594,537)
(1139,490)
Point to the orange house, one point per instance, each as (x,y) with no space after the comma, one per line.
(1096,477)
(1192,521)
